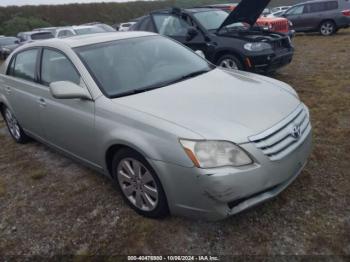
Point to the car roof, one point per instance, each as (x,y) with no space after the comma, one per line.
(84,40)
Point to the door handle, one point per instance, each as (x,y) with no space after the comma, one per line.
(8,90)
(42,102)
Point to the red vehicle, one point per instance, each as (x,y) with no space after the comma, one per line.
(274,24)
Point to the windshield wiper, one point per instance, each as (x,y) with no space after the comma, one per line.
(194,74)
(161,84)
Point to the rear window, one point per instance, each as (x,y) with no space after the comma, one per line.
(41,36)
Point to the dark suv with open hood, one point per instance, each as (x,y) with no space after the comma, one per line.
(228,40)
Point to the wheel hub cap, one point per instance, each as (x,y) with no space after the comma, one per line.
(137,184)
(228,64)
(12,124)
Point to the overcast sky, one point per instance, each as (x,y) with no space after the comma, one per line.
(53,2)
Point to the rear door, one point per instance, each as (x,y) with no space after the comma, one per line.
(67,123)
(22,90)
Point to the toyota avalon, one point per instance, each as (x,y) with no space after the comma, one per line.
(174,132)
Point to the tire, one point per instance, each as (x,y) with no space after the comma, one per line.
(230,62)
(144,192)
(327,28)
(14,127)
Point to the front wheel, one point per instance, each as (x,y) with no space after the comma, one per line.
(14,127)
(327,28)
(230,62)
(139,184)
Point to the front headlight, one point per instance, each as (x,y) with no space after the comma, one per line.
(257,47)
(209,154)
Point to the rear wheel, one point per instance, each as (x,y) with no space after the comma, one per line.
(230,62)
(327,28)
(139,184)
(14,127)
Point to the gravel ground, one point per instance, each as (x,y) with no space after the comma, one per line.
(50,205)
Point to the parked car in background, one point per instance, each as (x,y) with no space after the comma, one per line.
(173,131)
(266,11)
(276,14)
(58,32)
(7,45)
(229,40)
(105,27)
(68,31)
(279,8)
(123,27)
(26,37)
(274,24)
(324,16)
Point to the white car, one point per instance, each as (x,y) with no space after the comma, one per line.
(125,26)
(68,31)
(280,8)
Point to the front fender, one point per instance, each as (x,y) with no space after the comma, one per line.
(154,138)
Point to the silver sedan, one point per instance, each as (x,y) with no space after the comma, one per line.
(176,133)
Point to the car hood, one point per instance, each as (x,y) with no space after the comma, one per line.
(247,11)
(219,105)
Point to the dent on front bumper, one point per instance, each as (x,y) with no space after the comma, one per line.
(215,194)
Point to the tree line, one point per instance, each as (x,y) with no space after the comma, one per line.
(14,19)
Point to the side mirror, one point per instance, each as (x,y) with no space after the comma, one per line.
(68,90)
(192,32)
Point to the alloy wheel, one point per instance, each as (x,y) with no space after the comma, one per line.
(228,64)
(137,184)
(12,124)
(327,28)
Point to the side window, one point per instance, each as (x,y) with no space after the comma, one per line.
(317,7)
(24,65)
(331,5)
(57,67)
(170,25)
(298,10)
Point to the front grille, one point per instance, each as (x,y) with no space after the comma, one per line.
(282,139)
(280,26)
(280,43)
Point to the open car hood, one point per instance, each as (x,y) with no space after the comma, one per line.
(247,11)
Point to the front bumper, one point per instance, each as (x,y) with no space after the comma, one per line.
(215,194)
(272,62)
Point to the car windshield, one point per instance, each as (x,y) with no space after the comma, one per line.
(7,41)
(89,30)
(212,20)
(130,66)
